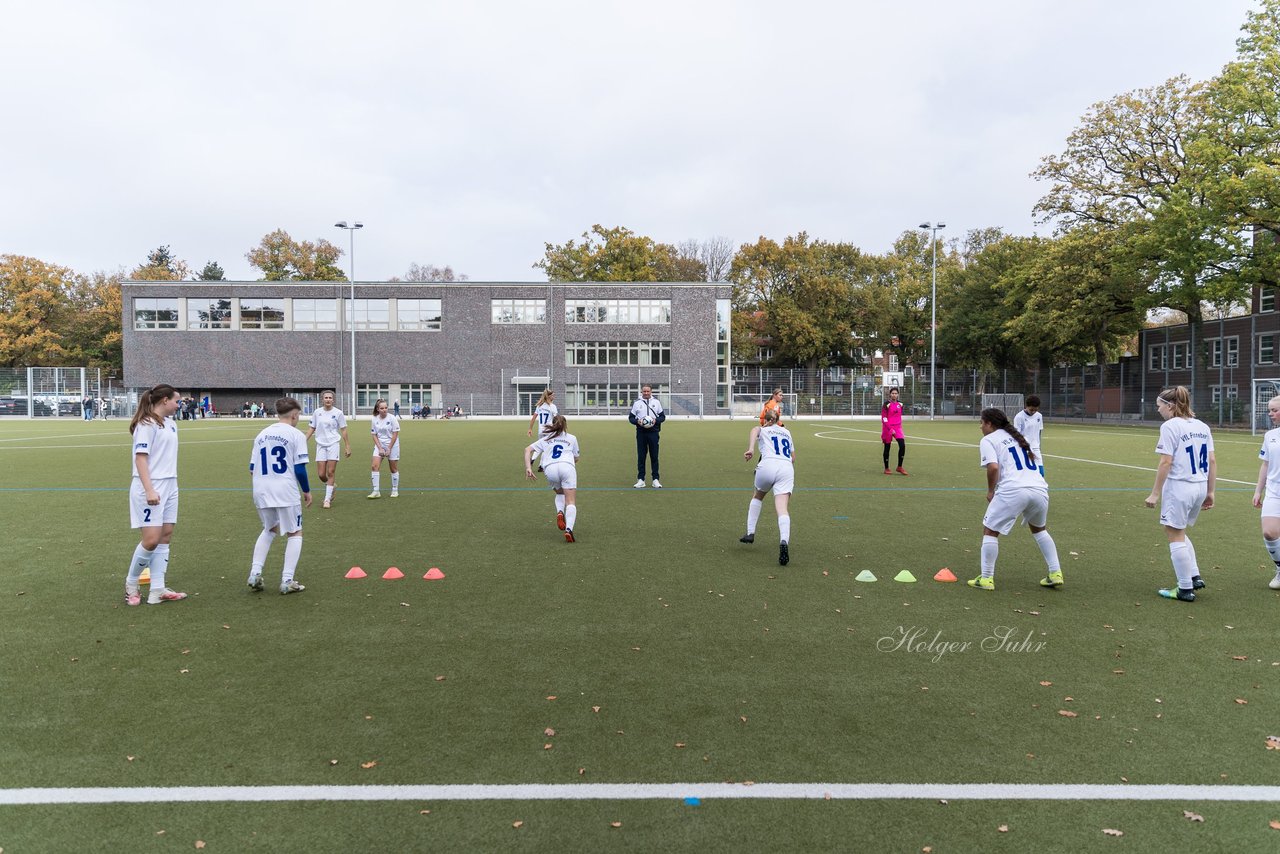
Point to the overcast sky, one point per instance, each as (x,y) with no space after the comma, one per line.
(471,134)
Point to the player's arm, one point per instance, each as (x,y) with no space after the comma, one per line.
(346,440)
(312,431)
(528,460)
(532,419)
(143,462)
(662,416)
(993,478)
(632,416)
(376,443)
(1213,477)
(751,443)
(395,437)
(1260,490)
(300,472)
(1162,474)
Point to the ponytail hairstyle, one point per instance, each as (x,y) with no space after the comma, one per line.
(885,406)
(997,419)
(147,402)
(770,416)
(1180,399)
(546,397)
(557,427)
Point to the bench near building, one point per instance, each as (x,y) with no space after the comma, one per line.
(488,347)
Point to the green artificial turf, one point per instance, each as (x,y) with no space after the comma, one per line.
(708,662)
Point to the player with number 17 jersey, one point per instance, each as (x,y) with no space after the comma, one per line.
(276,451)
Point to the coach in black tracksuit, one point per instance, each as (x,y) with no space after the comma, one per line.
(647,407)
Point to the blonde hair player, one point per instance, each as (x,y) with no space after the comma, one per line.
(1267,494)
(1014,486)
(386,446)
(776,472)
(543,412)
(774,403)
(278,466)
(560,454)
(153,492)
(328,425)
(1184,485)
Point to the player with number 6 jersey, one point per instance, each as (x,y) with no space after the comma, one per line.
(559,450)
(1015,487)
(776,472)
(278,466)
(1184,485)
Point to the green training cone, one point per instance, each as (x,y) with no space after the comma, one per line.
(905,576)
(865,575)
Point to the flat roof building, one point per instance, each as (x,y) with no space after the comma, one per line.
(489,347)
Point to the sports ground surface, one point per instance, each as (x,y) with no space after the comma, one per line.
(654,686)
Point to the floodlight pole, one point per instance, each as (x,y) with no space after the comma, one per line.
(933,314)
(351,310)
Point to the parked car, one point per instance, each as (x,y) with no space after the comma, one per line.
(70,407)
(18,406)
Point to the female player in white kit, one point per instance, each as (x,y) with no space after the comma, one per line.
(560,453)
(278,466)
(328,425)
(1269,486)
(776,471)
(1014,486)
(1184,485)
(386,446)
(543,412)
(153,492)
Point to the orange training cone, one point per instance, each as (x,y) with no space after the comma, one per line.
(145,578)
(355,572)
(945,574)
(434,574)
(392,573)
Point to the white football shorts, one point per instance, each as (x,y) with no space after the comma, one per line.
(1002,512)
(324,453)
(395,451)
(1271,506)
(778,475)
(1180,502)
(561,475)
(144,515)
(289,519)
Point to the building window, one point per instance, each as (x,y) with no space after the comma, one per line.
(415,394)
(724,326)
(617,311)
(764,354)
(1267,349)
(1215,352)
(1267,300)
(608,395)
(519,310)
(1232,393)
(1179,356)
(368,395)
(261,313)
(1158,357)
(621,353)
(315,314)
(418,314)
(208,313)
(372,314)
(153,313)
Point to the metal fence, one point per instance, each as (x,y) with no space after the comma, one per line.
(39,392)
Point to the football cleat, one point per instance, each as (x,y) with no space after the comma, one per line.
(888,471)
(568,535)
(164,594)
(132,596)
(291,587)
(1177,593)
(395,493)
(747,538)
(657,484)
(327,504)
(981,583)
(374,494)
(255,582)
(560,519)
(1197,583)
(1274,583)
(1053,580)
(784,554)
(901,470)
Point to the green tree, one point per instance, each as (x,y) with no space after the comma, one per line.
(34,305)
(92,335)
(283,259)
(211,272)
(618,255)
(808,297)
(161,266)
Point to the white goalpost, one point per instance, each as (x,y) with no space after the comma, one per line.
(1263,391)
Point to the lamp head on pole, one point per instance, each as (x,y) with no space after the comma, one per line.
(343,224)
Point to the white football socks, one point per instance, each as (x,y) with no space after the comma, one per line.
(141,559)
(328,492)
(990,551)
(1183,563)
(1049,549)
(260,550)
(395,481)
(570,515)
(377,481)
(559,503)
(292,551)
(753,514)
(784,528)
(159,565)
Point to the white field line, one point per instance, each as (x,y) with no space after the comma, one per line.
(641,791)
(823,435)
(121,444)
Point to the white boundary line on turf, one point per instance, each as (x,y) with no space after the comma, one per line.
(1151,469)
(641,791)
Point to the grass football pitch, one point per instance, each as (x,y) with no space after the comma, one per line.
(655,650)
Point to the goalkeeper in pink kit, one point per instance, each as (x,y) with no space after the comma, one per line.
(891,428)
